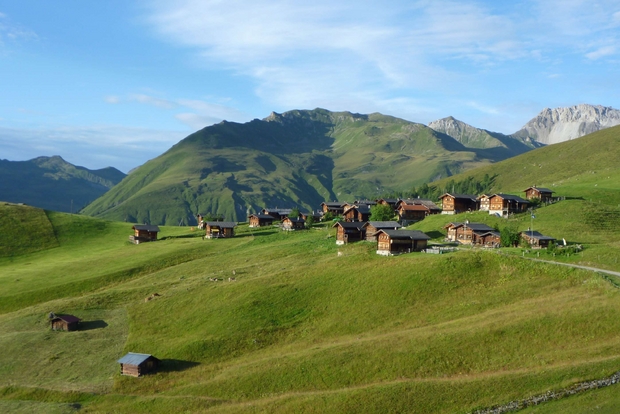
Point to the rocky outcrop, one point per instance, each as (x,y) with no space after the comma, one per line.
(562,124)
(467,135)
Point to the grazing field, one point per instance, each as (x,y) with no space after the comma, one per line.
(305,326)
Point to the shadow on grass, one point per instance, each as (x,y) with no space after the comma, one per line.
(435,234)
(259,233)
(176,365)
(89,325)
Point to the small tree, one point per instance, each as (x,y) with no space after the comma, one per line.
(381,212)
(509,237)
(294,213)
(327,216)
(309,221)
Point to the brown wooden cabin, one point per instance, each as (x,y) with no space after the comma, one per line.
(369,203)
(536,240)
(277,213)
(260,220)
(419,201)
(504,204)
(64,322)
(545,195)
(484,202)
(334,207)
(144,233)
(347,232)
(412,212)
(465,233)
(458,203)
(356,213)
(219,229)
(393,242)
(372,228)
(487,238)
(388,202)
(293,223)
(136,365)
(316,215)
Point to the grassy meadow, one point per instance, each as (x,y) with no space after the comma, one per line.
(307,326)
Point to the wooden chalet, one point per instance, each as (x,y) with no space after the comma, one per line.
(372,228)
(388,202)
(536,240)
(136,365)
(545,195)
(408,213)
(277,213)
(393,242)
(356,213)
(458,203)
(144,233)
(260,220)
(484,202)
(334,207)
(487,239)
(64,322)
(419,201)
(219,229)
(466,233)
(365,202)
(316,215)
(293,223)
(504,204)
(347,232)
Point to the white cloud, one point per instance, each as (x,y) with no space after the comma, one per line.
(111,99)
(150,100)
(14,32)
(601,52)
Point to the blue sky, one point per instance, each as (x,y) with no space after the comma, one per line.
(116,83)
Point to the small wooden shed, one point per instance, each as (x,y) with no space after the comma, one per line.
(144,233)
(219,229)
(537,240)
(293,223)
(393,242)
(135,365)
(64,322)
(260,220)
(372,228)
(347,232)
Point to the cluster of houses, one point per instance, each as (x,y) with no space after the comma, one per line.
(356,224)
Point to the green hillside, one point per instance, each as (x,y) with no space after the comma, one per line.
(299,158)
(307,326)
(24,229)
(52,183)
(585,167)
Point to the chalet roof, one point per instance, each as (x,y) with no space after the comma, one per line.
(419,201)
(134,358)
(539,189)
(362,208)
(414,207)
(295,219)
(482,196)
(262,216)
(511,198)
(146,227)
(389,200)
(367,202)
(493,233)
(476,227)
(222,224)
(281,211)
(460,196)
(383,224)
(536,235)
(406,234)
(350,225)
(67,318)
(333,203)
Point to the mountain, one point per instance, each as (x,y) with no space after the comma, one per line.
(472,137)
(562,124)
(52,183)
(298,158)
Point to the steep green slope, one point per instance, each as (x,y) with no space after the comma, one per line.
(302,329)
(52,183)
(586,167)
(24,229)
(299,158)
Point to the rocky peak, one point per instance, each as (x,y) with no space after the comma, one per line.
(551,126)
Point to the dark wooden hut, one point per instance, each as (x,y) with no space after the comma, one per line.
(393,242)
(64,322)
(260,220)
(144,233)
(219,229)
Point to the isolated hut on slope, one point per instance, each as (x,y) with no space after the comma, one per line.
(64,322)
(144,233)
(135,365)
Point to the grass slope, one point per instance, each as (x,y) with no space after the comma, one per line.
(302,329)
(24,229)
(299,158)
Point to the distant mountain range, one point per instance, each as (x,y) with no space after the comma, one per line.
(298,158)
(54,184)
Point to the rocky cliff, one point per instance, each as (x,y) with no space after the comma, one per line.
(562,124)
